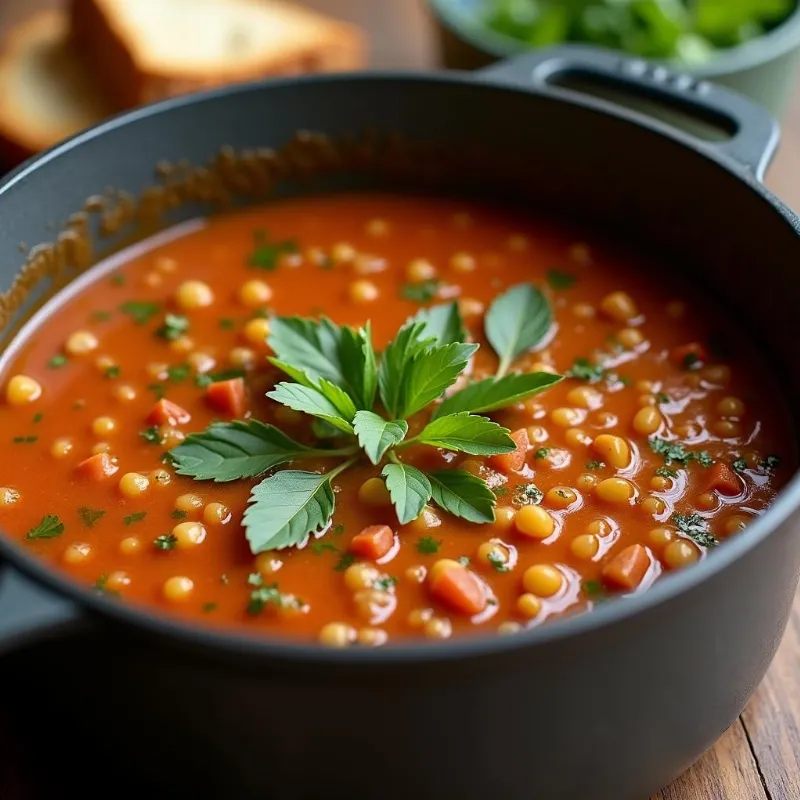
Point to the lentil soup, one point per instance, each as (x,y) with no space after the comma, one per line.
(620,426)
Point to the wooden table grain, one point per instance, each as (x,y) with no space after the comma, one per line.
(758,758)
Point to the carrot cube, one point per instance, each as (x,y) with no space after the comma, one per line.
(515,460)
(97,467)
(165,412)
(627,568)
(457,587)
(228,396)
(373,542)
(724,480)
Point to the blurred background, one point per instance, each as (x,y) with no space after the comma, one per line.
(67,64)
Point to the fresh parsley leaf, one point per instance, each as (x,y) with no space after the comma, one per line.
(50,527)
(583,370)
(227,451)
(666,472)
(113,372)
(287,507)
(492,394)
(690,361)
(396,361)
(208,607)
(166,541)
(38,417)
(770,462)
(422,292)
(90,516)
(207,378)
(673,452)
(467,433)
(463,494)
(178,513)
(696,528)
(739,465)
(560,280)
(173,328)
(595,590)
(57,361)
(152,435)
(137,516)
(427,545)
(409,489)
(595,465)
(443,324)
(347,559)
(324,430)
(385,583)
(429,373)
(704,459)
(376,435)
(542,452)
(140,311)
(25,439)
(101,585)
(318,548)
(101,316)
(516,322)
(527,494)
(158,389)
(497,562)
(227,324)
(662,397)
(178,373)
(314,402)
(266,253)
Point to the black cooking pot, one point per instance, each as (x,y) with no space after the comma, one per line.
(611,704)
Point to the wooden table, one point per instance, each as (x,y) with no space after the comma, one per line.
(758,758)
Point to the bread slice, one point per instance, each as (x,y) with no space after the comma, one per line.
(45,93)
(148,50)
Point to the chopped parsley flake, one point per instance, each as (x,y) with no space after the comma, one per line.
(527,494)
(38,417)
(266,253)
(141,312)
(113,372)
(662,397)
(427,545)
(583,370)
(497,562)
(696,528)
(595,590)
(57,361)
(344,562)
(206,378)
(173,328)
(678,454)
(541,452)
(666,472)
(422,292)
(25,439)
(207,607)
(318,548)
(50,527)
(166,541)
(595,464)
(90,516)
(385,583)
(560,280)
(137,516)
(739,465)
(178,513)
(770,462)
(227,324)
(151,435)
(158,389)
(178,373)
(690,361)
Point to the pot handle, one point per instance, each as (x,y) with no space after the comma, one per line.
(753,132)
(29,613)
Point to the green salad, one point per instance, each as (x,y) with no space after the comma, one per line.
(688,30)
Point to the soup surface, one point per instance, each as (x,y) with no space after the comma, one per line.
(665,435)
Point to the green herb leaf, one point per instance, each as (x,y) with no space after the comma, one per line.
(227,324)
(427,545)
(178,513)
(141,312)
(560,280)
(429,373)
(137,516)
(318,548)
(443,324)
(595,590)
(673,452)
(227,451)
(178,373)
(467,433)
(358,365)
(696,528)
(57,361)
(463,495)
(422,292)
(667,472)
(208,607)
(527,494)
(493,394)
(50,527)
(409,489)
(347,560)
(770,463)
(312,401)
(397,357)
(90,516)
(207,378)
(583,370)
(166,541)
(497,562)
(266,253)
(152,435)
(113,372)
(595,465)
(385,583)
(173,328)
(739,465)
(376,435)
(25,439)
(286,508)
(516,322)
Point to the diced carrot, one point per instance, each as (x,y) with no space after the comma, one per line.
(689,356)
(508,462)
(724,480)
(227,396)
(165,412)
(627,568)
(456,586)
(97,467)
(373,542)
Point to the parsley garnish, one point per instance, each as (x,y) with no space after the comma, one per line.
(178,513)
(178,373)
(541,452)
(173,328)
(662,397)
(690,361)
(497,562)
(118,279)
(583,370)
(38,417)
(595,590)
(113,372)
(427,545)
(696,528)
(385,583)
(266,253)
(166,541)
(207,607)
(770,462)
(141,312)
(318,548)
(678,454)
(206,378)
(666,472)
(57,361)
(559,280)
(264,595)
(595,464)
(527,494)
(152,435)
(422,292)
(25,439)
(90,516)
(739,465)
(137,516)
(335,377)
(158,389)
(50,527)
(344,562)
(227,324)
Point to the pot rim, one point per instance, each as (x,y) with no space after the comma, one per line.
(764,49)
(239,643)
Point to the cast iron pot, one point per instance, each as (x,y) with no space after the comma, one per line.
(612,704)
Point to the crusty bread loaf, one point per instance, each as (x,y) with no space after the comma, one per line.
(147,50)
(45,91)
